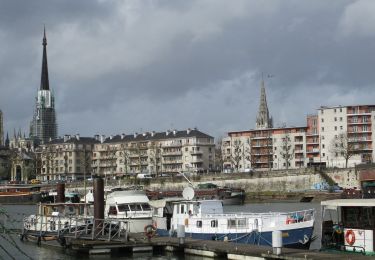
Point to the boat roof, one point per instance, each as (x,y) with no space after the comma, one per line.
(349,202)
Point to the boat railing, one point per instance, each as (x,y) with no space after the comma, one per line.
(76,227)
(298,216)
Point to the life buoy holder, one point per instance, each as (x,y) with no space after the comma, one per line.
(186,222)
(350,237)
(150,231)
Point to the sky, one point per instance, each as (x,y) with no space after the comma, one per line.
(151,65)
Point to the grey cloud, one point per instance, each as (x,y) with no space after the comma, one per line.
(129,65)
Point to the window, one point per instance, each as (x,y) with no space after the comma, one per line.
(322,129)
(322,112)
(341,127)
(364,128)
(341,119)
(335,128)
(199,223)
(214,223)
(340,109)
(112,210)
(335,119)
(323,146)
(322,120)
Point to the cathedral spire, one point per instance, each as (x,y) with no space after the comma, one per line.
(44,82)
(263,119)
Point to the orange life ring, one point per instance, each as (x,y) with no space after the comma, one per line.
(350,237)
(150,231)
(290,220)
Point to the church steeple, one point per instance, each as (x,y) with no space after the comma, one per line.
(44,82)
(263,119)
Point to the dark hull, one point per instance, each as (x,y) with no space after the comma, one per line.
(295,238)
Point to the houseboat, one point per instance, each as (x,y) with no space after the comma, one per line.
(205,219)
(349,225)
(19,194)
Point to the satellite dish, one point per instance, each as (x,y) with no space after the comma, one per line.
(188,193)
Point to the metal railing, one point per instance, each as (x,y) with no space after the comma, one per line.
(76,227)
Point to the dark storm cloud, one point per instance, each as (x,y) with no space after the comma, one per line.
(125,66)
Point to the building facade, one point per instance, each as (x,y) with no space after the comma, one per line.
(67,158)
(346,135)
(155,153)
(275,148)
(43,126)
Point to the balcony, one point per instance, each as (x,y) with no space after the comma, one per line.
(313,151)
(172,162)
(178,144)
(196,152)
(174,153)
(261,137)
(359,139)
(298,151)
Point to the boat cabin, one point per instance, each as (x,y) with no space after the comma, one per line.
(128,204)
(349,225)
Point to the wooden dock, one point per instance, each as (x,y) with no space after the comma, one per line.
(223,250)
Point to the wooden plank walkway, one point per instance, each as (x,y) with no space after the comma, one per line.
(211,248)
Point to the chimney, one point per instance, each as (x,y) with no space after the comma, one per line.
(96,137)
(168,132)
(135,135)
(153,133)
(174,132)
(102,138)
(188,130)
(77,137)
(122,136)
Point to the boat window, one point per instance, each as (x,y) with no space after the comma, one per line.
(146,207)
(358,217)
(182,209)
(214,223)
(135,207)
(112,210)
(123,207)
(241,223)
(232,223)
(199,223)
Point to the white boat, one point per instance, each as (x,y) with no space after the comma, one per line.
(53,220)
(349,225)
(205,219)
(131,205)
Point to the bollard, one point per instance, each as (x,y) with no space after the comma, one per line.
(60,198)
(98,205)
(181,234)
(277,242)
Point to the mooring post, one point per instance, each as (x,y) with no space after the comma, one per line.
(277,242)
(98,204)
(181,234)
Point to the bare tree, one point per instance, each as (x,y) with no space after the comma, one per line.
(341,146)
(124,154)
(155,158)
(287,151)
(111,155)
(237,153)
(48,156)
(219,160)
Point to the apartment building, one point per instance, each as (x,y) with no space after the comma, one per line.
(346,133)
(274,148)
(168,152)
(313,141)
(67,158)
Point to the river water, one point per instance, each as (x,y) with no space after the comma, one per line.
(12,248)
